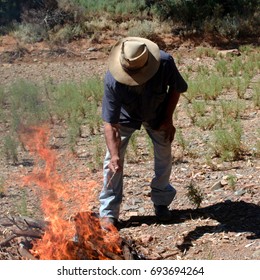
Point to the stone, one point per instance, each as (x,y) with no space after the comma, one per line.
(239,192)
(217,186)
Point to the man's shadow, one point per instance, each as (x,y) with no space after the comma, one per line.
(232,217)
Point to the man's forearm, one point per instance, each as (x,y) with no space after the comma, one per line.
(172,103)
(112,137)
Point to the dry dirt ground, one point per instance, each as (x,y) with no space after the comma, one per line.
(227,224)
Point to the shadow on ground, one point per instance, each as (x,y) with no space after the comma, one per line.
(231,216)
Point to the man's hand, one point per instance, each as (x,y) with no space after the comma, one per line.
(114,164)
(168,129)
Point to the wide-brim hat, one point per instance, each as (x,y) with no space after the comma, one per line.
(134,60)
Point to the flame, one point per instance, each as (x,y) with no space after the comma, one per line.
(73,231)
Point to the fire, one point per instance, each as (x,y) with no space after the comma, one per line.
(73,231)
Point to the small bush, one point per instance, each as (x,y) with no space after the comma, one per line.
(222,67)
(231,179)
(205,52)
(236,67)
(30,33)
(228,27)
(194,194)
(64,35)
(10,149)
(256,95)
(212,87)
(199,108)
(144,29)
(181,140)
(99,151)
(227,141)
(240,85)
(27,106)
(194,89)
(207,122)
(232,108)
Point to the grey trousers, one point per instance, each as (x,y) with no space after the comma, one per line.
(162,193)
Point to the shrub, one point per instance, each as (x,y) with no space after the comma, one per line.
(212,87)
(64,35)
(256,95)
(27,106)
(222,67)
(207,122)
(203,51)
(143,29)
(10,148)
(193,89)
(232,108)
(199,107)
(240,85)
(194,194)
(236,66)
(30,33)
(227,141)
(181,140)
(228,26)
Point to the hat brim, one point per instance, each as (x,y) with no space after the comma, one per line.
(142,75)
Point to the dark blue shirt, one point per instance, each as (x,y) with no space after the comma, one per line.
(132,105)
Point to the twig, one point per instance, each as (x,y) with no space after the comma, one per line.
(109,181)
(27,233)
(25,253)
(3,243)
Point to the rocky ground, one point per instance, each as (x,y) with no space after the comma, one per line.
(226,226)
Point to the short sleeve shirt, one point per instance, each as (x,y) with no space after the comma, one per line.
(133,105)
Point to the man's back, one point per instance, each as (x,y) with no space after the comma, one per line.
(132,105)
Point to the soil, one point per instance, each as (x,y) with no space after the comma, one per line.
(226,226)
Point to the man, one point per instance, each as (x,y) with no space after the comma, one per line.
(142,87)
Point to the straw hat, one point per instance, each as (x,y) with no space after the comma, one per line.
(134,60)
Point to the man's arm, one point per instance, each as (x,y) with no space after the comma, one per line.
(173,100)
(177,86)
(113,139)
(167,124)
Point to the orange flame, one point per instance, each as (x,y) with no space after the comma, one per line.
(57,194)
